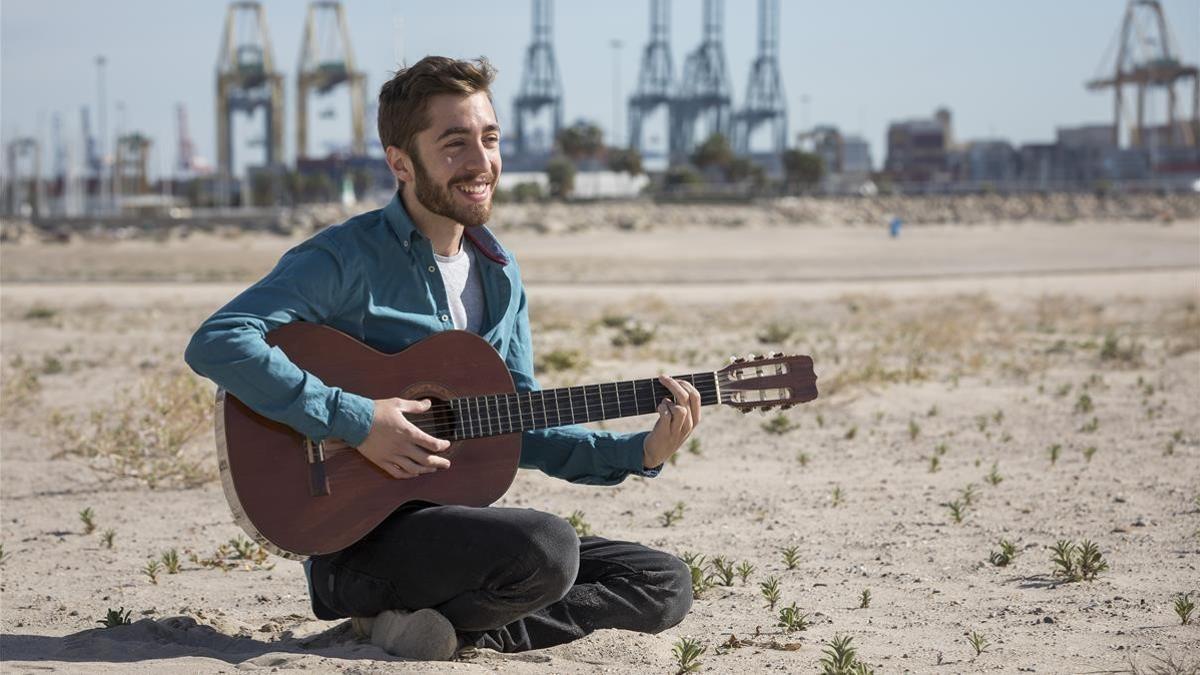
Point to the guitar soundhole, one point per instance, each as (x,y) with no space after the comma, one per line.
(438,421)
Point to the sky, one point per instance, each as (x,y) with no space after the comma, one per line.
(1011,69)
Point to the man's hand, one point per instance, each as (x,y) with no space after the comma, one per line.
(397,446)
(676,419)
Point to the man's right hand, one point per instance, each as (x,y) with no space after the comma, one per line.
(397,446)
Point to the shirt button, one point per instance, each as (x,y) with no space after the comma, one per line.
(432,269)
(406,244)
(445,318)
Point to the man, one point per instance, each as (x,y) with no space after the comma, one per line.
(431,579)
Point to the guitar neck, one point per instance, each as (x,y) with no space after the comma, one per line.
(498,414)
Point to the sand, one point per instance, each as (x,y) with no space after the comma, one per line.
(975,345)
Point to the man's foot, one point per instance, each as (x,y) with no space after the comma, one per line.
(423,635)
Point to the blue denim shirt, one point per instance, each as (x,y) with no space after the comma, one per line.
(374,278)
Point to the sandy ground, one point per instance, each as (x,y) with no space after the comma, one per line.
(942,354)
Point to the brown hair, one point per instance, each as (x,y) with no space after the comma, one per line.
(404,99)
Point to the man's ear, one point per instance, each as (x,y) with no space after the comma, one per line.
(400,163)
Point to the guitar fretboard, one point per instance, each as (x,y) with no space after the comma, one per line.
(497,414)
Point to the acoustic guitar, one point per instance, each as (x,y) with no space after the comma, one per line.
(297,498)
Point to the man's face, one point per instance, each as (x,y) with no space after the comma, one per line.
(457,160)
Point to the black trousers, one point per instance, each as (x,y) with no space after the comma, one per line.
(507,579)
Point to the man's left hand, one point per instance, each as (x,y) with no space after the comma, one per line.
(676,419)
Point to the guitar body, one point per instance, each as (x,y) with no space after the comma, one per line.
(296,507)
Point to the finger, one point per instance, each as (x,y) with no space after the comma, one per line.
(693,402)
(425,440)
(680,394)
(408,465)
(679,418)
(410,406)
(425,458)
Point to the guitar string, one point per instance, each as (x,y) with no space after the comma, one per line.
(470,420)
(605,404)
(487,407)
(478,422)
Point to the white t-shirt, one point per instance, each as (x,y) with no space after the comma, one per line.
(464,289)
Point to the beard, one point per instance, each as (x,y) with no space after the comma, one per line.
(437,198)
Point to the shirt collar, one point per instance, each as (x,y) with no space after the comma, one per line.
(481,237)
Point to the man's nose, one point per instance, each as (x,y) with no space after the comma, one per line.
(475,158)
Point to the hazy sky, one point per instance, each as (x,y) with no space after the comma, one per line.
(1006,68)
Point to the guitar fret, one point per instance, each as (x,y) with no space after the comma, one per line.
(617,392)
(557,412)
(508,414)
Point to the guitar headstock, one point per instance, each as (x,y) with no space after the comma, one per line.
(767,381)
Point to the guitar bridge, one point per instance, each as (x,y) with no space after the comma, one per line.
(318,482)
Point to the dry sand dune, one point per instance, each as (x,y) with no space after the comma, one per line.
(1063,362)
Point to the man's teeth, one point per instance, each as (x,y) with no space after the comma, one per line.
(474,189)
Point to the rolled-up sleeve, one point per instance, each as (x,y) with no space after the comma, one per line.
(310,283)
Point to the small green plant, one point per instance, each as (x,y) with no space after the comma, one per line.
(744,570)
(820,421)
(151,570)
(914,430)
(40,312)
(1006,554)
(634,334)
(934,463)
(116,617)
(693,446)
(1054,451)
(840,658)
(1084,404)
(674,515)
(581,526)
(969,494)
(3,556)
(770,591)
(1090,562)
(88,517)
(1091,427)
(1088,452)
(957,510)
(837,496)
(940,449)
(994,477)
(701,581)
(791,556)
(724,570)
(803,457)
(170,561)
(933,411)
(791,620)
(981,423)
(687,653)
(1082,562)
(1184,608)
(775,333)
(851,433)
(107,538)
(978,642)
(864,599)
(560,360)
(778,425)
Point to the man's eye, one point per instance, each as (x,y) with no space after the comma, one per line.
(453,144)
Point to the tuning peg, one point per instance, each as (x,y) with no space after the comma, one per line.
(738,359)
(786,406)
(760,357)
(745,410)
(776,355)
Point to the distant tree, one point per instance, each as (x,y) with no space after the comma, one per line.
(581,140)
(560,172)
(803,169)
(628,161)
(682,176)
(715,151)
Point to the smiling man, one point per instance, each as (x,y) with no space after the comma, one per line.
(433,578)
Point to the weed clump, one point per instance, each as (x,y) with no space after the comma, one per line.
(116,617)
(1082,562)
